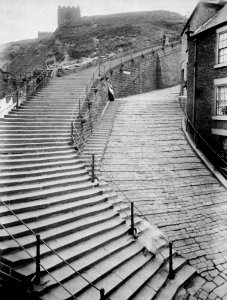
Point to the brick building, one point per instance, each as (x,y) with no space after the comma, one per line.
(207,79)
(204,10)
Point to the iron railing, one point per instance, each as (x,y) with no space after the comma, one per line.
(23,93)
(202,144)
(39,240)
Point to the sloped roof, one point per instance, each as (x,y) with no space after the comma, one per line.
(218,19)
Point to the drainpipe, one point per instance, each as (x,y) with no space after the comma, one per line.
(194,84)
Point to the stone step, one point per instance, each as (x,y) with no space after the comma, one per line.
(45,149)
(41,172)
(42,193)
(113,280)
(181,277)
(36,155)
(81,198)
(44,178)
(34,126)
(18,122)
(34,187)
(38,166)
(32,216)
(39,226)
(105,252)
(71,246)
(36,145)
(26,131)
(123,264)
(33,140)
(15,161)
(23,116)
(29,137)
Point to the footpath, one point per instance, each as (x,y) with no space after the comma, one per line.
(150,160)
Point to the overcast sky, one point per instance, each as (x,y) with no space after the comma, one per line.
(22,19)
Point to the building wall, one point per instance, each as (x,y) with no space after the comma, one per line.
(205,103)
(203,13)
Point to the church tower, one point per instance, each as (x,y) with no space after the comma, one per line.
(68,16)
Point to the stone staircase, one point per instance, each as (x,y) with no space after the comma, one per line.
(46,184)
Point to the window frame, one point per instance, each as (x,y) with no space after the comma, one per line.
(219,32)
(219,83)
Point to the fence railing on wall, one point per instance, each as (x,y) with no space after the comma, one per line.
(27,89)
(213,155)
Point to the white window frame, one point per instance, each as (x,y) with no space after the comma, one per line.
(220,31)
(221,82)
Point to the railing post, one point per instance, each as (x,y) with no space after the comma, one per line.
(37,260)
(132,218)
(86,90)
(132,229)
(33,87)
(102,294)
(17,98)
(72,140)
(79,108)
(171,271)
(93,169)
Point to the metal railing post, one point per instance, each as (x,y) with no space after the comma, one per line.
(132,218)
(37,260)
(86,90)
(79,109)
(102,294)
(132,230)
(17,98)
(93,169)
(72,140)
(171,271)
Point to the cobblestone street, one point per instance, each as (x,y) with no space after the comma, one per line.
(151,161)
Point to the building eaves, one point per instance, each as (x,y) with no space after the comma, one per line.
(206,2)
(218,19)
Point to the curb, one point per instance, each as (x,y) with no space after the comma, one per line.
(203,158)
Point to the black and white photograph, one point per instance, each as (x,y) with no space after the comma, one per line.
(113,149)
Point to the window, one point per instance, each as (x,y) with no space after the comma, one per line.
(221,100)
(222,48)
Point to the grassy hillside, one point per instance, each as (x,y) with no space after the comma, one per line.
(116,33)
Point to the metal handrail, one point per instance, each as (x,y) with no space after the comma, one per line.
(201,137)
(22,89)
(78,104)
(29,254)
(52,250)
(109,177)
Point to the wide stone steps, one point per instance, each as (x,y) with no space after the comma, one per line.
(83,224)
(41,172)
(46,184)
(22,160)
(43,193)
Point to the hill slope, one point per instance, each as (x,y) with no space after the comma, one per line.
(116,33)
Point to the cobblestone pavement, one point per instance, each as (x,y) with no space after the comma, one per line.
(151,161)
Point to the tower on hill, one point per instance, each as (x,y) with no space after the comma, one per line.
(68,16)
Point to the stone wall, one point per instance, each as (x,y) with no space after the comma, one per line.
(155,70)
